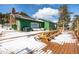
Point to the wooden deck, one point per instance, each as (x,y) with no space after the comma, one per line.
(66,48)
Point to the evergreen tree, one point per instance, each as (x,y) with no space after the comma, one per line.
(2,18)
(75,25)
(64,18)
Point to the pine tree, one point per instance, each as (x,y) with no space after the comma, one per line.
(2,18)
(64,18)
(75,25)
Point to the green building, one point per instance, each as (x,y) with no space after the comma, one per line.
(28,24)
(23,22)
(48,25)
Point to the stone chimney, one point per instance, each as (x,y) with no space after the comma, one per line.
(13,11)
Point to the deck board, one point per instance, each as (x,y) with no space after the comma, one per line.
(71,48)
(75,48)
(66,48)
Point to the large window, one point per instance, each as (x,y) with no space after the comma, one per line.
(34,25)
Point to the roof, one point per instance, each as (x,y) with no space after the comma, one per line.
(18,15)
(27,18)
(47,20)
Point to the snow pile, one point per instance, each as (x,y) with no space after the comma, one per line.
(19,44)
(65,37)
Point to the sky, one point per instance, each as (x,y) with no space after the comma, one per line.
(46,11)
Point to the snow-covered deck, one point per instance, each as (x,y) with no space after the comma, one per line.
(19,42)
(65,43)
(24,42)
(64,37)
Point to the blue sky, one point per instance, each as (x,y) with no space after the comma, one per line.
(28,8)
(31,9)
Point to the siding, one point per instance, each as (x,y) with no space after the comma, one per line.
(27,23)
(46,25)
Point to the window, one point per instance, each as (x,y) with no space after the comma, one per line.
(34,25)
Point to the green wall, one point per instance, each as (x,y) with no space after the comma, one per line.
(27,23)
(46,25)
(41,24)
(49,25)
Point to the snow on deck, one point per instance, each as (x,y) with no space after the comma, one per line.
(19,42)
(65,37)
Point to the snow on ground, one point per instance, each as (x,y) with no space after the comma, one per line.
(19,44)
(65,37)
(12,33)
(8,32)
(16,42)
